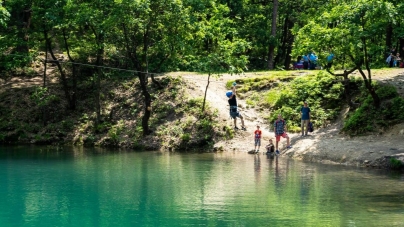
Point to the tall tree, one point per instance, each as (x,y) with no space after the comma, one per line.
(217,47)
(151,34)
(272,40)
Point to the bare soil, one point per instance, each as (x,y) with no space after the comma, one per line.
(325,145)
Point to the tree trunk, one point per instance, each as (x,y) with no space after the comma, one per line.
(62,73)
(371,89)
(99,75)
(44,109)
(389,35)
(143,77)
(289,44)
(147,103)
(24,25)
(368,79)
(347,90)
(74,71)
(280,54)
(206,91)
(273,36)
(401,50)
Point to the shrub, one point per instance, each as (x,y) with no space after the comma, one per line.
(367,118)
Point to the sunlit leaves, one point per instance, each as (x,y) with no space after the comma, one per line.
(345,27)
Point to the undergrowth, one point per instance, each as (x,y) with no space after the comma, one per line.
(367,118)
(36,115)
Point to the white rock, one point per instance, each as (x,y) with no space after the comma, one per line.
(402,132)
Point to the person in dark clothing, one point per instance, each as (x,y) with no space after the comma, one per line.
(306,61)
(305,118)
(234,113)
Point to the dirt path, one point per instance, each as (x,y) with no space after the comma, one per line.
(324,145)
(243,141)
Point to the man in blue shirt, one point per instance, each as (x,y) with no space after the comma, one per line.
(305,116)
(234,113)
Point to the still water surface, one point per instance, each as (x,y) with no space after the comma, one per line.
(90,187)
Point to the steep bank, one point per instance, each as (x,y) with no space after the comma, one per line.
(325,145)
(177,123)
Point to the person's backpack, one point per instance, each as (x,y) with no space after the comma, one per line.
(310,128)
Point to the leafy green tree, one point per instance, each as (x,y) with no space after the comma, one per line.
(150,35)
(348,29)
(217,47)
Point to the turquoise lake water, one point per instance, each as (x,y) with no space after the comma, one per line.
(45,186)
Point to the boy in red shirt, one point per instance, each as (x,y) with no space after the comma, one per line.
(257,138)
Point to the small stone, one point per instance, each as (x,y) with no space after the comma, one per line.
(381,152)
(366,161)
(402,132)
(371,151)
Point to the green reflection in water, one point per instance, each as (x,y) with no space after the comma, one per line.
(79,187)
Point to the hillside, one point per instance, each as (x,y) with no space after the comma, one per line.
(176,121)
(326,145)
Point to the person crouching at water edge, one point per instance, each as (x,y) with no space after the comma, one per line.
(234,113)
(280,131)
(270,147)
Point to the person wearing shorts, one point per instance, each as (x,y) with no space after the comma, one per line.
(234,113)
(257,139)
(280,131)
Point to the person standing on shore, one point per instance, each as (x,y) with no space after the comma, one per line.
(234,113)
(280,129)
(257,139)
(305,118)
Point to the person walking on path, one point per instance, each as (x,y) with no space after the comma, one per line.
(280,131)
(234,113)
(257,139)
(305,118)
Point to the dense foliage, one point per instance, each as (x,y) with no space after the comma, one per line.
(179,34)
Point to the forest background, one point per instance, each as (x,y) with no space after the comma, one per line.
(92,44)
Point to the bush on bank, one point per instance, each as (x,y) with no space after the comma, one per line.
(366,118)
